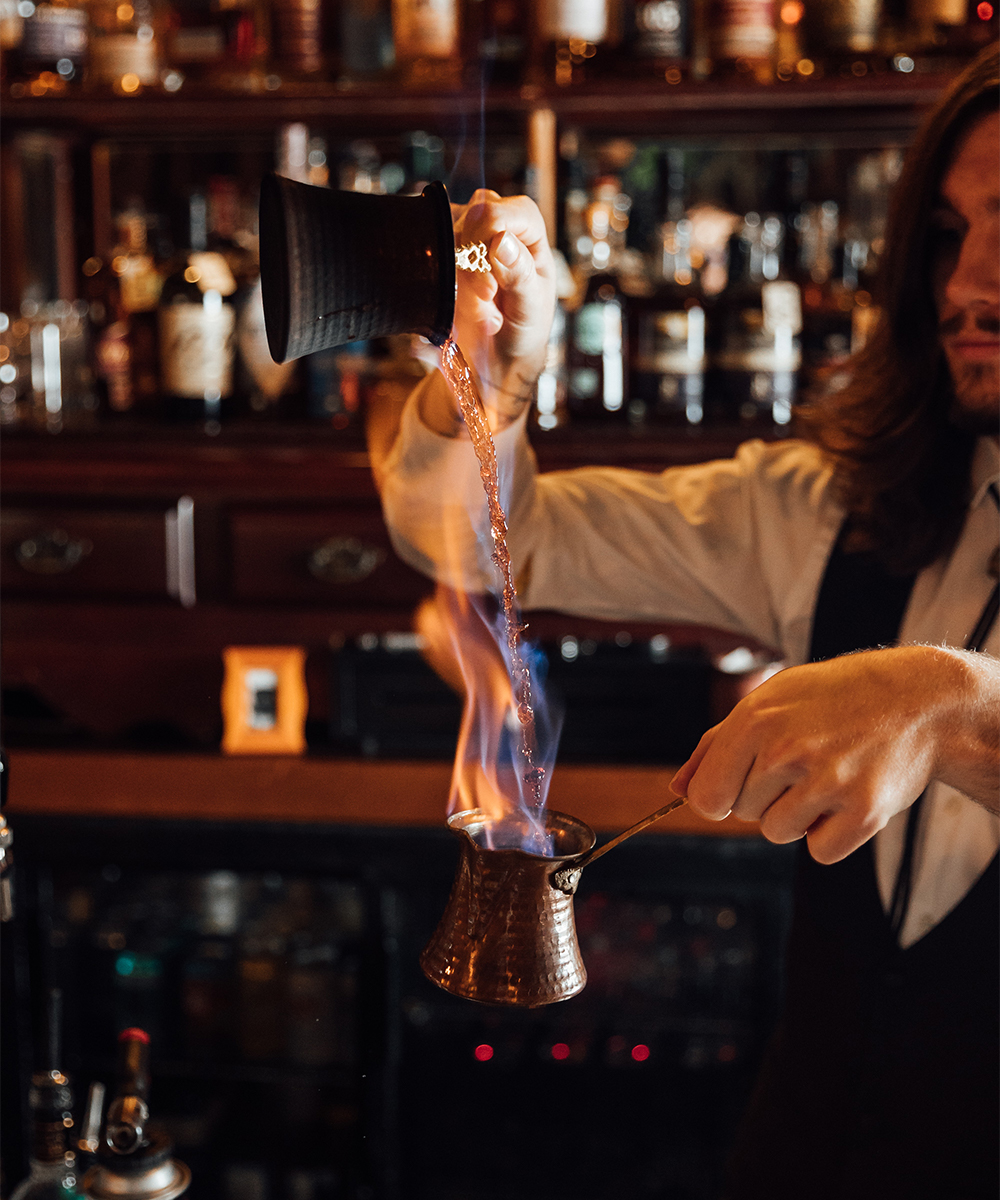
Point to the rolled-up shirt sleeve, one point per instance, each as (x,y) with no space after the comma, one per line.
(739,544)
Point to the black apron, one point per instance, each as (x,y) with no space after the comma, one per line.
(882,1079)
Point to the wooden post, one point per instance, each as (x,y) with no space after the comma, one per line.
(541,143)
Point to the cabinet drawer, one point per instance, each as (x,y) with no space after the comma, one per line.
(342,556)
(70,552)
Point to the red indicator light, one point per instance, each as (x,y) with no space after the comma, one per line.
(984,11)
(640,1053)
(483,1053)
(560,1051)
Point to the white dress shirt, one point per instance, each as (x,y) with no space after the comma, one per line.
(740,544)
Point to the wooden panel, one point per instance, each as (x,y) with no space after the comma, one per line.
(272,550)
(96,553)
(337,791)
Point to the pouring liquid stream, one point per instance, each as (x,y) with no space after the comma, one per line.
(460,379)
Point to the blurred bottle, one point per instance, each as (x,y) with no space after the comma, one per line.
(658,38)
(53,47)
(597,367)
(11,35)
(667,366)
(496,34)
(364,29)
(551,411)
(53,1165)
(123,291)
(208,975)
(828,293)
(842,35)
(743,38)
(943,33)
(790,48)
(298,50)
(224,43)
(426,39)
(196,324)
(756,350)
(125,45)
(573,38)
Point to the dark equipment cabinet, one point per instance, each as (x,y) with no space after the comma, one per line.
(402,1092)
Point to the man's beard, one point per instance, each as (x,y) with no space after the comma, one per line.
(975,405)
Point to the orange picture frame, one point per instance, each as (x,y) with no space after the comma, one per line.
(264,700)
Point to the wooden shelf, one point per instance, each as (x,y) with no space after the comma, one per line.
(882,104)
(316,790)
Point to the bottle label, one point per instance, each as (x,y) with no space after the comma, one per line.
(196,350)
(139,284)
(672,342)
(744,29)
(782,304)
(659,26)
(52,33)
(198,44)
(583,19)
(119,54)
(425,28)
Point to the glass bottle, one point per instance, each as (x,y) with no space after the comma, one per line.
(658,38)
(123,292)
(224,44)
(757,352)
(597,359)
(298,50)
(742,38)
(53,1173)
(196,322)
(426,38)
(572,34)
(125,40)
(54,45)
(667,366)
(497,36)
(365,39)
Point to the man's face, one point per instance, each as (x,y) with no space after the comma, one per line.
(965,228)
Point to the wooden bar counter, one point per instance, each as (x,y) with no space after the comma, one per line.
(329,791)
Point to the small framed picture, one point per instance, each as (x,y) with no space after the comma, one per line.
(264,700)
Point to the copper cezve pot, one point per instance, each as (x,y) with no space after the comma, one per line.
(507,935)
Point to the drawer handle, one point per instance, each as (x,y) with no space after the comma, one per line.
(53,552)
(344,560)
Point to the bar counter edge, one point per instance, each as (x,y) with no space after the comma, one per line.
(332,791)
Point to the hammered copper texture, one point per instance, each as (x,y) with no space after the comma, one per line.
(507,935)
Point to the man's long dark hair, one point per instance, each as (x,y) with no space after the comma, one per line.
(902,463)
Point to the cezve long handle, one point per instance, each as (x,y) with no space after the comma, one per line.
(567,878)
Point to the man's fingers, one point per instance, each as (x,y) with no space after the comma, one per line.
(691,781)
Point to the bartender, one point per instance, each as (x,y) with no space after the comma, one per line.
(866,555)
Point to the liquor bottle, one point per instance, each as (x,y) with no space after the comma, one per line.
(828,295)
(573,36)
(196,322)
(742,37)
(53,1174)
(122,291)
(597,366)
(943,33)
(221,44)
(496,34)
(298,49)
(756,352)
(53,50)
(125,42)
(667,359)
(843,34)
(426,38)
(364,30)
(658,38)
(208,985)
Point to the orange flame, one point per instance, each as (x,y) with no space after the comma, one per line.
(460,646)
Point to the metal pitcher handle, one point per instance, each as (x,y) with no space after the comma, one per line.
(566,879)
